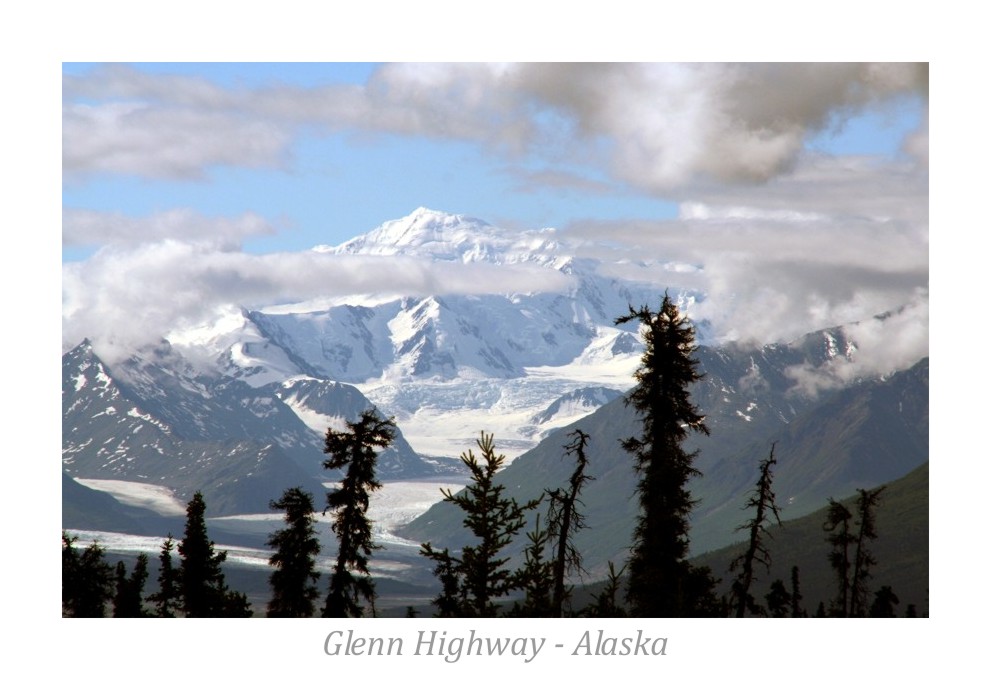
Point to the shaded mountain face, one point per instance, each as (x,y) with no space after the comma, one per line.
(155,419)
(829,444)
(112,429)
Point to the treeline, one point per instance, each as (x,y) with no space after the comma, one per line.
(195,588)
(481,579)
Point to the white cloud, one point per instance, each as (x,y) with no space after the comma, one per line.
(654,126)
(92,227)
(885,344)
(831,243)
(173,143)
(782,242)
(122,298)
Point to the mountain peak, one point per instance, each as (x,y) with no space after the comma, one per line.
(438,234)
(442,236)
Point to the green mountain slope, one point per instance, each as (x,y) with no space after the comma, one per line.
(902,550)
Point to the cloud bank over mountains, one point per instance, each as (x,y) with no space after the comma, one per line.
(782,238)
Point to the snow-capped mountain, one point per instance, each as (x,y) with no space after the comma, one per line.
(259,386)
(156,419)
(448,365)
(444,237)
(453,335)
(170,435)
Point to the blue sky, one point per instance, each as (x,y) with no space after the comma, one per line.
(330,180)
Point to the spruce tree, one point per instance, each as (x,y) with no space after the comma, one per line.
(662,582)
(87,580)
(494,519)
(168,598)
(606,605)
(448,603)
(120,588)
(838,525)
(763,504)
(778,600)
(565,519)
(139,575)
(293,582)
(536,576)
(129,598)
(204,593)
(355,451)
(853,573)
(884,605)
(864,560)
(797,597)
(235,605)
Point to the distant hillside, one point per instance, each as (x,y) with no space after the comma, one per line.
(902,549)
(858,437)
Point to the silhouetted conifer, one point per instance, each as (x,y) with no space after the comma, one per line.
(852,573)
(778,600)
(355,451)
(606,605)
(120,587)
(201,580)
(494,519)
(129,595)
(699,593)
(564,520)
(884,605)
(294,581)
(864,560)
(763,504)
(87,580)
(911,611)
(536,576)
(797,597)
(448,603)
(662,583)
(168,597)
(838,525)
(235,605)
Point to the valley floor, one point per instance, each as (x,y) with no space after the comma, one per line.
(244,536)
